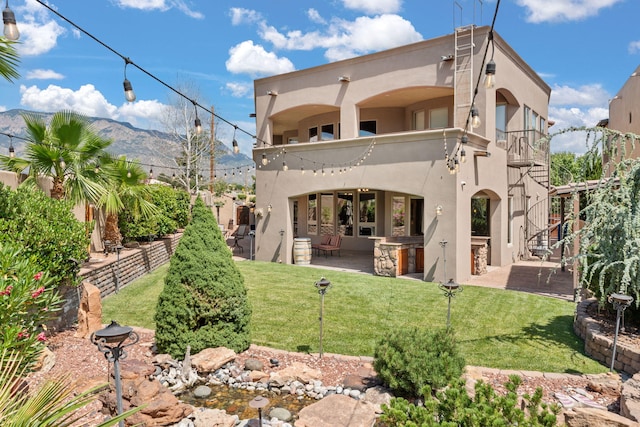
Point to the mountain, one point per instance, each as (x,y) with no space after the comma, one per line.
(151,148)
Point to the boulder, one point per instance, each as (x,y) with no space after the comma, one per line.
(378,396)
(211,359)
(46,360)
(204,417)
(630,398)
(89,311)
(337,410)
(296,372)
(253,365)
(590,417)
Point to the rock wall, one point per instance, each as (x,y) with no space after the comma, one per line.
(599,346)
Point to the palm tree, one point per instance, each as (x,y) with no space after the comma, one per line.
(125,185)
(8,60)
(67,150)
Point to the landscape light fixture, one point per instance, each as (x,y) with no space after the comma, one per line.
(129,94)
(236,147)
(10,28)
(475,117)
(323,286)
(344,79)
(449,287)
(272,93)
(620,303)
(111,342)
(446,57)
(258,403)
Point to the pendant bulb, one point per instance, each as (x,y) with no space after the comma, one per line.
(10,28)
(129,94)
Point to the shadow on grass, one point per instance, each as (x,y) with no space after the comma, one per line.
(304,348)
(557,335)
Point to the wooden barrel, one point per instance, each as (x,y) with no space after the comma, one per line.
(302,250)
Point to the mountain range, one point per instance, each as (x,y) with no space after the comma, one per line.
(151,148)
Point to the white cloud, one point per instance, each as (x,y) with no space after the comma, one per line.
(573,117)
(587,95)
(563,10)
(240,15)
(239,90)
(254,60)
(160,5)
(90,102)
(39,33)
(314,16)
(373,6)
(40,74)
(634,47)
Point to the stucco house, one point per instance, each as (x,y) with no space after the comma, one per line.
(382,150)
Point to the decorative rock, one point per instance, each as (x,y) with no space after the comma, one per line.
(337,411)
(89,311)
(202,391)
(281,414)
(210,359)
(164,360)
(46,360)
(297,371)
(204,417)
(589,417)
(630,398)
(378,395)
(253,365)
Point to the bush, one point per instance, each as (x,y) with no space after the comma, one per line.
(46,230)
(27,300)
(409,359)
(204,302)
(453,407)
(182,214)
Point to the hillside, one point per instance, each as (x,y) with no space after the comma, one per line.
(149,147)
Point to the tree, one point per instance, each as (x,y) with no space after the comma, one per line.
(124,187)
(9,60)
(204,301)
(567,167)
(67,150)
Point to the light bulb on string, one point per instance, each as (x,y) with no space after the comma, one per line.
(128,173)
(62,163)
(9,19)
(264,159)
(129,94)
(475,117)
(150,173)
(236,148)
(12,151)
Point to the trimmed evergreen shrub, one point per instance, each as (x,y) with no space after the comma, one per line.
(407,360)
(452,407)
(46,230)
(204,302)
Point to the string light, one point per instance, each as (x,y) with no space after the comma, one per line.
(234,143)
(129,94)
(9,19)
(12,151)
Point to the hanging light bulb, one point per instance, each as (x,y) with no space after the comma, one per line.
(463,156)
(315,172)
(456,165)
(234,143)
(97,168)
(150,173)
(62,163)
(264,159)
(475,117)
(302,170)
(490,74)
(128,173)
(284,166)
(198,125)
(10,28)
(173,177)
(12,151)
(129,94)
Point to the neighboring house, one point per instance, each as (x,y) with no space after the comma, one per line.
(364,148)
(624,109)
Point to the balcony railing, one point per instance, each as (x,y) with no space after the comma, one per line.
(524,147)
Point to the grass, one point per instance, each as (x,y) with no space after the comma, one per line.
(494,328)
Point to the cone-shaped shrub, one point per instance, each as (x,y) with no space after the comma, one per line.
(204,302)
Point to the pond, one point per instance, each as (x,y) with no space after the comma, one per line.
(235,401)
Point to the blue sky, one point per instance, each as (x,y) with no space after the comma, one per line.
(584,49)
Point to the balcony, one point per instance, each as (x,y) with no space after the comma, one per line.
(524,147)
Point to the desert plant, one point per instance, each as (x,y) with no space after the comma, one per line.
(453,407)
(408,359)
(204,302)
(27,300)
(45,229)
(54,404)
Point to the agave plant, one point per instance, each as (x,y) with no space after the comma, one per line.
(51,405)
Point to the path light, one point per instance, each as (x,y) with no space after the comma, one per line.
(620,303)
(323,286)
(258,403)
(110,341)
(450,289)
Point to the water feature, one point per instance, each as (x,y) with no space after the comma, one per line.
(235,401)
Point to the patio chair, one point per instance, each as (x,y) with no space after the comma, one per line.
(238,235)
(333,245)
(323,241)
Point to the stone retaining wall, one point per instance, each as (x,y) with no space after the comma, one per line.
(600,347)
(102,273)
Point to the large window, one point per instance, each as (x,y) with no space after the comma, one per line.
(326,217)
(480,216)
(312,214)
(327,132)
(367,214)
(368,128)
(439,118)
(313,134)
(418,120)
(510,226)
(398,217)
(501,122)
(344,209)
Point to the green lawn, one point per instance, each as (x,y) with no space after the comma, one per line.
(494,327)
